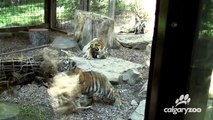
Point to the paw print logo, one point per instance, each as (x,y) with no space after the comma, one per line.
(183,99)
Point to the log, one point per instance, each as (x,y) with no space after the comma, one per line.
(9,66)
(24,50)
(39,36)
(5,34)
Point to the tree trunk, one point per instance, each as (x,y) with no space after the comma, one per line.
(111,8)
(83,5)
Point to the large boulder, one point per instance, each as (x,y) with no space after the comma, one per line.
(138,114)
(89,25)
(131,76)
(112,67)
(135,41)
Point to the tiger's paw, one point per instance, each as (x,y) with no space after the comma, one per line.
(89,57)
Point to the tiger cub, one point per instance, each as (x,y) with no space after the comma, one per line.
(95,49)
(97,86)
(66,92)
(76,90)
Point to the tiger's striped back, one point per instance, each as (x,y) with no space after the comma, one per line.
(98,87)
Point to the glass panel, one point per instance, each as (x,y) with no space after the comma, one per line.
(201,85)
(41,82)
(206,58)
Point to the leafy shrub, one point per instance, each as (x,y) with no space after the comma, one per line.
(121,7)
(99,6)
(206,28)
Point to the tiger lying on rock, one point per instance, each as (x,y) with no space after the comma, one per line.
(95,49)
(93,86)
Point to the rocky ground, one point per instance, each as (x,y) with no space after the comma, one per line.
(33,94)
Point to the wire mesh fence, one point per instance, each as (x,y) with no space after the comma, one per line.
(64,14)
(99,6)
(18,13)
(66,8)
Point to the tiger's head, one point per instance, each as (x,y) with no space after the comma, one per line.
(99,53)
(95,49)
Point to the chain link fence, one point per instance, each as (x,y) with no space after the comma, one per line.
(125,11)
(18,13)
(65,10)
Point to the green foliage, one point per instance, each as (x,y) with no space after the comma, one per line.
(99,6)
(206,29)
(28,14)
(8,3)
(69,8)
(121,7)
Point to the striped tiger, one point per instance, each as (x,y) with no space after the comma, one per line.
(95,49)
(65,90)
(68,88)
(97,86)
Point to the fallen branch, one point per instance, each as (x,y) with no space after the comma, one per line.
(24,50)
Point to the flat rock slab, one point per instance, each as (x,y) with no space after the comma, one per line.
(138,114)
(135,41)
(63,43)
(111,67)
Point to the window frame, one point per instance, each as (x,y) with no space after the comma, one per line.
(175,33)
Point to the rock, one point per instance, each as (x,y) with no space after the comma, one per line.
(63,43)
(134,103)
(39,36)
(138,114)
(87,33)
(137,41)
(143,90)
(148,54)
(148,49)
(90,25)
(111,67)
(131,76)
(115,43)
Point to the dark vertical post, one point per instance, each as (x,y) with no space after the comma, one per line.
(47,12)
(88,4)
(83,5)
(52,13)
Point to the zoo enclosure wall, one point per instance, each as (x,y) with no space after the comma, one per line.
(18,15)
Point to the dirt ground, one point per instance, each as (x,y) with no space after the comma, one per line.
(35,94)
